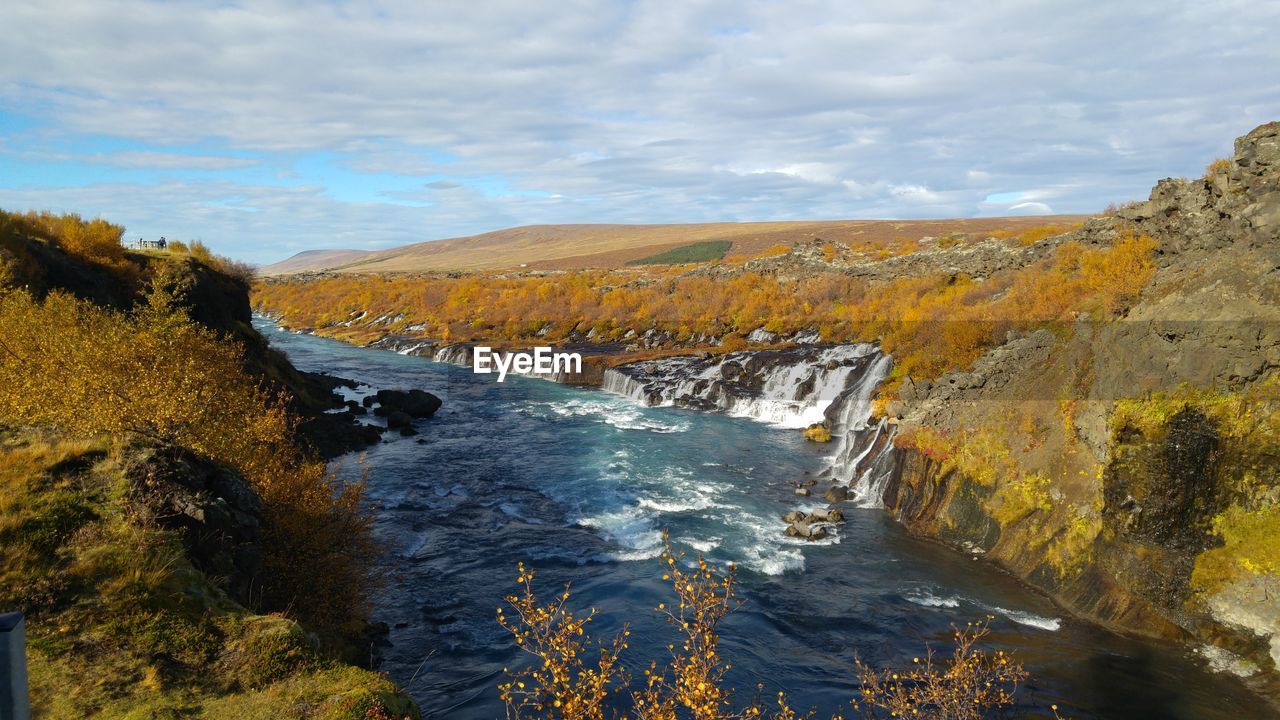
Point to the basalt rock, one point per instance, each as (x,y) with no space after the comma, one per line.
(415,403)
(213,509)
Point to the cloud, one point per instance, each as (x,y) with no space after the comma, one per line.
(448,117)
(160,160)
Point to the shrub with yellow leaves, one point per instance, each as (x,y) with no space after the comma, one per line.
(968,685)
(562,683)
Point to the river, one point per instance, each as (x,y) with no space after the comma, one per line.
(579,485)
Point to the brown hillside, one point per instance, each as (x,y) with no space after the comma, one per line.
(550,247)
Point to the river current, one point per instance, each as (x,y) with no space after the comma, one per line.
(579,484)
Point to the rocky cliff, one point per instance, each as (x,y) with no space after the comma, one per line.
(1130,468)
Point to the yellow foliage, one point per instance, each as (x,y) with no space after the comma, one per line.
(1021,498)
(1031,236)
(94,241)
(71,365)
(817,433)
(1217,167)
(1072,547)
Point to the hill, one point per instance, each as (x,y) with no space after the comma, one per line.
(574,247)
(312,259)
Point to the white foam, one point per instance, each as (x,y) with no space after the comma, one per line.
(1030,619)
(624,416)
(702,546)
(628,527)
(927,599)
(513,511)
(1226,662)
(662,505)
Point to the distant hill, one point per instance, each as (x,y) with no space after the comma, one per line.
(313,260)
(569,247)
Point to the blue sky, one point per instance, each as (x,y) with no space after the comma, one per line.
(267,128)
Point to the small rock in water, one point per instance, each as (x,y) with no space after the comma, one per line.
(817,432)
(802,491)
(399,419)
(837,493)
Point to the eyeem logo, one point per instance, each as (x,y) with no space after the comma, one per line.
(542,361)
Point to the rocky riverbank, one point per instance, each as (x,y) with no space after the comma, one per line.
(1099,462)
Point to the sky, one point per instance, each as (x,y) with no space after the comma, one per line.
(270,127)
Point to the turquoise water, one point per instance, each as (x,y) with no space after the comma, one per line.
(579,484)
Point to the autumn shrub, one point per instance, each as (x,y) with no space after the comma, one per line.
(92,241)
(73,366)
(242,271)
(1031,236)
(1218,167)
(574,677)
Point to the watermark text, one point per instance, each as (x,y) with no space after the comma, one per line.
(539,361)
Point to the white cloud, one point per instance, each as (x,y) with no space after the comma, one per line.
(637,111)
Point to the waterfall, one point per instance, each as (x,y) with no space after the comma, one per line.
(456,354)
(864,451)
(791,388)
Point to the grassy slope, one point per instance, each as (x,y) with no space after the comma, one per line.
(549,247)
(695,253)
(121,624)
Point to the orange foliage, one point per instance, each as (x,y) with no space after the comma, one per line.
(95,241)
(1031,236)
(1217,167)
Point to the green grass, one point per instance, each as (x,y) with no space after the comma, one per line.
(695,253)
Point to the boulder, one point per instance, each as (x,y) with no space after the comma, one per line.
(794,516)
(802,491)
(415,403)
(817,432)
(833,515)
(399,419)
(806,531)
(836,493)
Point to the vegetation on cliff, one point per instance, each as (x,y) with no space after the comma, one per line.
(156,496)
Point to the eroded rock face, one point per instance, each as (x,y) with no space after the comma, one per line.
(1164,490)
(213,509)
